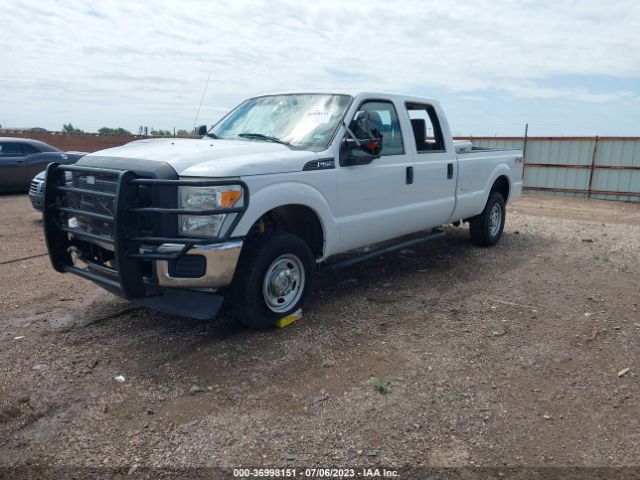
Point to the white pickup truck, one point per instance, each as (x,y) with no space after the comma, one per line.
(275,189)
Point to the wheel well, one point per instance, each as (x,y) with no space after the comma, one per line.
(501,185)
(297,219)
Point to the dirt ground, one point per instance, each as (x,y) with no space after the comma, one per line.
(508,356)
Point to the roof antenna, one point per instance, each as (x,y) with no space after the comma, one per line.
(204,92)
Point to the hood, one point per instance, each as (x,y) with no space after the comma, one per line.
(206,157)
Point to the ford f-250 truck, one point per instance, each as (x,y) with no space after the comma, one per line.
(279,186)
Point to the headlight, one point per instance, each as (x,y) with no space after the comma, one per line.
(206,198)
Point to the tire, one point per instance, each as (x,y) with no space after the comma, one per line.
(484,229)
(272,280)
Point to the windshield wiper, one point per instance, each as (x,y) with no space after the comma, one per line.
(266,138)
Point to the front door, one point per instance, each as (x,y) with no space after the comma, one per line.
(34,165)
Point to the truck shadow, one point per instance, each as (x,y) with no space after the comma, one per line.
(452,260)
(343,305)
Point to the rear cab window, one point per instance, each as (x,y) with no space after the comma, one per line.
(427,132)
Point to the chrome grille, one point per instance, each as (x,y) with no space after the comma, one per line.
(36,186)
(35,193)
(89,200)
(98,182)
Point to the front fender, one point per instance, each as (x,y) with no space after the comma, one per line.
(266,198)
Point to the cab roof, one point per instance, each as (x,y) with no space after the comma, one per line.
(359,94)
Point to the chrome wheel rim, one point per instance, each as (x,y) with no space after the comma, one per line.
(283,283)
(495,219)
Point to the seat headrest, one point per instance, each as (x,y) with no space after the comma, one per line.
(419,128)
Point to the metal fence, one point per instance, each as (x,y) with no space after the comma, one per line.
(592,167)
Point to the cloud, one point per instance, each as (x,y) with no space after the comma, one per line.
(150,60)
(532,90)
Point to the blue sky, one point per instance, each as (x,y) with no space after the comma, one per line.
(565,67)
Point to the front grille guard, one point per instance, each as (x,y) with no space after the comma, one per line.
(125,277)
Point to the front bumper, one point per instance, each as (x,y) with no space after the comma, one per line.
(118,228)
(219,259)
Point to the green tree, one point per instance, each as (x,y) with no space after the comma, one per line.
(161,133)
(69,128)
(113,131)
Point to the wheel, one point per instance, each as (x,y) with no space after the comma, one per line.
(486,228)
(273,278)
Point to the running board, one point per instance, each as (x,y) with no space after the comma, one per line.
(382,251)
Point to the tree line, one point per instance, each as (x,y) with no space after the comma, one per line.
(69,128)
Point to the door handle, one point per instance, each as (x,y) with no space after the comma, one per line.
(449,171)
(409,177)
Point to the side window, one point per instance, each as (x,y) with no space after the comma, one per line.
(379,119)
(10,149)
(426,128)
(29,149)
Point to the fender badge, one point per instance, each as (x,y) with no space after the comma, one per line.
(321,164)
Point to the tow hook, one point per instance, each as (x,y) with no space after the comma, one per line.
(73,251)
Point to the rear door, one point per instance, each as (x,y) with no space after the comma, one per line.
(435,168)
(13,172)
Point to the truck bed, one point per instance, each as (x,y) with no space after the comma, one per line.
(477,167)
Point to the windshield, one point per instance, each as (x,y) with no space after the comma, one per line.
(306,121)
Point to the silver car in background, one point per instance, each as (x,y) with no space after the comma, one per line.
(36,190)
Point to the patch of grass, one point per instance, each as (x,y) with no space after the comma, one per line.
(380,385)
(238,351)
(127,415)
(450,398)
(625,268)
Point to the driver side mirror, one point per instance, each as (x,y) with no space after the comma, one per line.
(201,130)
(359,152)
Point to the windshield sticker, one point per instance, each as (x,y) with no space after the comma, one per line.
(319,136)
(319,116)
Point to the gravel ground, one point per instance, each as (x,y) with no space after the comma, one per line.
(509,356)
